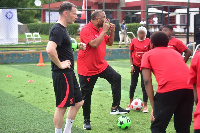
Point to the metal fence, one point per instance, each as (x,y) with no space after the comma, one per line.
(154,15)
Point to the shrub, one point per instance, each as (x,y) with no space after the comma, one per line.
(43,28)
(133,27)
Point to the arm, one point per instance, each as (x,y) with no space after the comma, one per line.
(97,41)
(52,52)
(187,54)
(195,93)
(112,34)
(148,84)
(149,88)
(111,38)
(131,62)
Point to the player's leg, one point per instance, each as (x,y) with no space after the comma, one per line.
(183,112)
(75,98)
(58,119)
(164,107)
(145,97)
(125,40)
(114,79)
(134,81)
(87,84)
(60,88)
(121,39)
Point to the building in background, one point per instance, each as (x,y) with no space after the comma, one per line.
(175,7)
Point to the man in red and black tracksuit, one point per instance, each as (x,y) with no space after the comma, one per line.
(91,64)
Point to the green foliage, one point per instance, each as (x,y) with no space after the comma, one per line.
(133,27)
(24,15)
(43,28)
(72,29)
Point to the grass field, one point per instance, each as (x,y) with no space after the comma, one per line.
(29,107)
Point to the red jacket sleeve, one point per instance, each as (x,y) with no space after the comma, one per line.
(131,45)
(86,36)
(106,37)
(145,63)
(193,69)
(180,46)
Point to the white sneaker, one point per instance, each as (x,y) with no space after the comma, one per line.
(128,107)
(145,110)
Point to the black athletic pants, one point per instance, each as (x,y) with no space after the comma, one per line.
(134,81)
(87,84)
(178,103)
(197,131)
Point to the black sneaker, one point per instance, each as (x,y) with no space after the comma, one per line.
(127,47)
(120,47)
(118,111)
(86,124)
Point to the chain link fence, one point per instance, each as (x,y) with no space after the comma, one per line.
(19,18)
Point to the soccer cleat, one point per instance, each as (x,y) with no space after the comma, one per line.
(118,111)
(86,124)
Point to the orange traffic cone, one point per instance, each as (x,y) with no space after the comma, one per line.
(41,61)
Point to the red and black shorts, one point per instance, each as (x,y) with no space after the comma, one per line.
(66,88)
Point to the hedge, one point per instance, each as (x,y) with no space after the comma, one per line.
(133,27)
(43,28)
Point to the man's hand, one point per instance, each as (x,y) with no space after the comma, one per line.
(151,116)
(82,46)
(132,70)
(112,27)
(105,27)
(65,64)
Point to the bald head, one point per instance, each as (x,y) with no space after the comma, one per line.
(96,14)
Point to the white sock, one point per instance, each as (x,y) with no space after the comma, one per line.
(68,126)
(58,130)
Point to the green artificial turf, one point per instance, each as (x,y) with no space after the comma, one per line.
(29,107)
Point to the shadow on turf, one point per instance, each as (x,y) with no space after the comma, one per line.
(18,116)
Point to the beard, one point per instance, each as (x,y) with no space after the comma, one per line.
(100,24)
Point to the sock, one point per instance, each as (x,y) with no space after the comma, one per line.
(68,126)
(58,130)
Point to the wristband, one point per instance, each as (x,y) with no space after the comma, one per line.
(131,65)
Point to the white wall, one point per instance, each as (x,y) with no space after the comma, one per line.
(191,28)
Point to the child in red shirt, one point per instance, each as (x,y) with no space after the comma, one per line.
(175,43)
(194,79)
(173,96)
(138,47)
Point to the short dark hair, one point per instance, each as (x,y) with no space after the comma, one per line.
(169,27)
(95,14)
(160,39)
(65,6)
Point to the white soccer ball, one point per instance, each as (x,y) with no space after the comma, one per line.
(137,104)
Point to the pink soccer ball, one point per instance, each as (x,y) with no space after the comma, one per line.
(136,104)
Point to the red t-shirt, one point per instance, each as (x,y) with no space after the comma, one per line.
(177,45)
(169,68)
(194,78)
(91,60)
(138,48)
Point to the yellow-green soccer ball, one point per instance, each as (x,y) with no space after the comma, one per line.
(123,122)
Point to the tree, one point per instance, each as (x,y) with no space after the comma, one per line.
(26,15)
